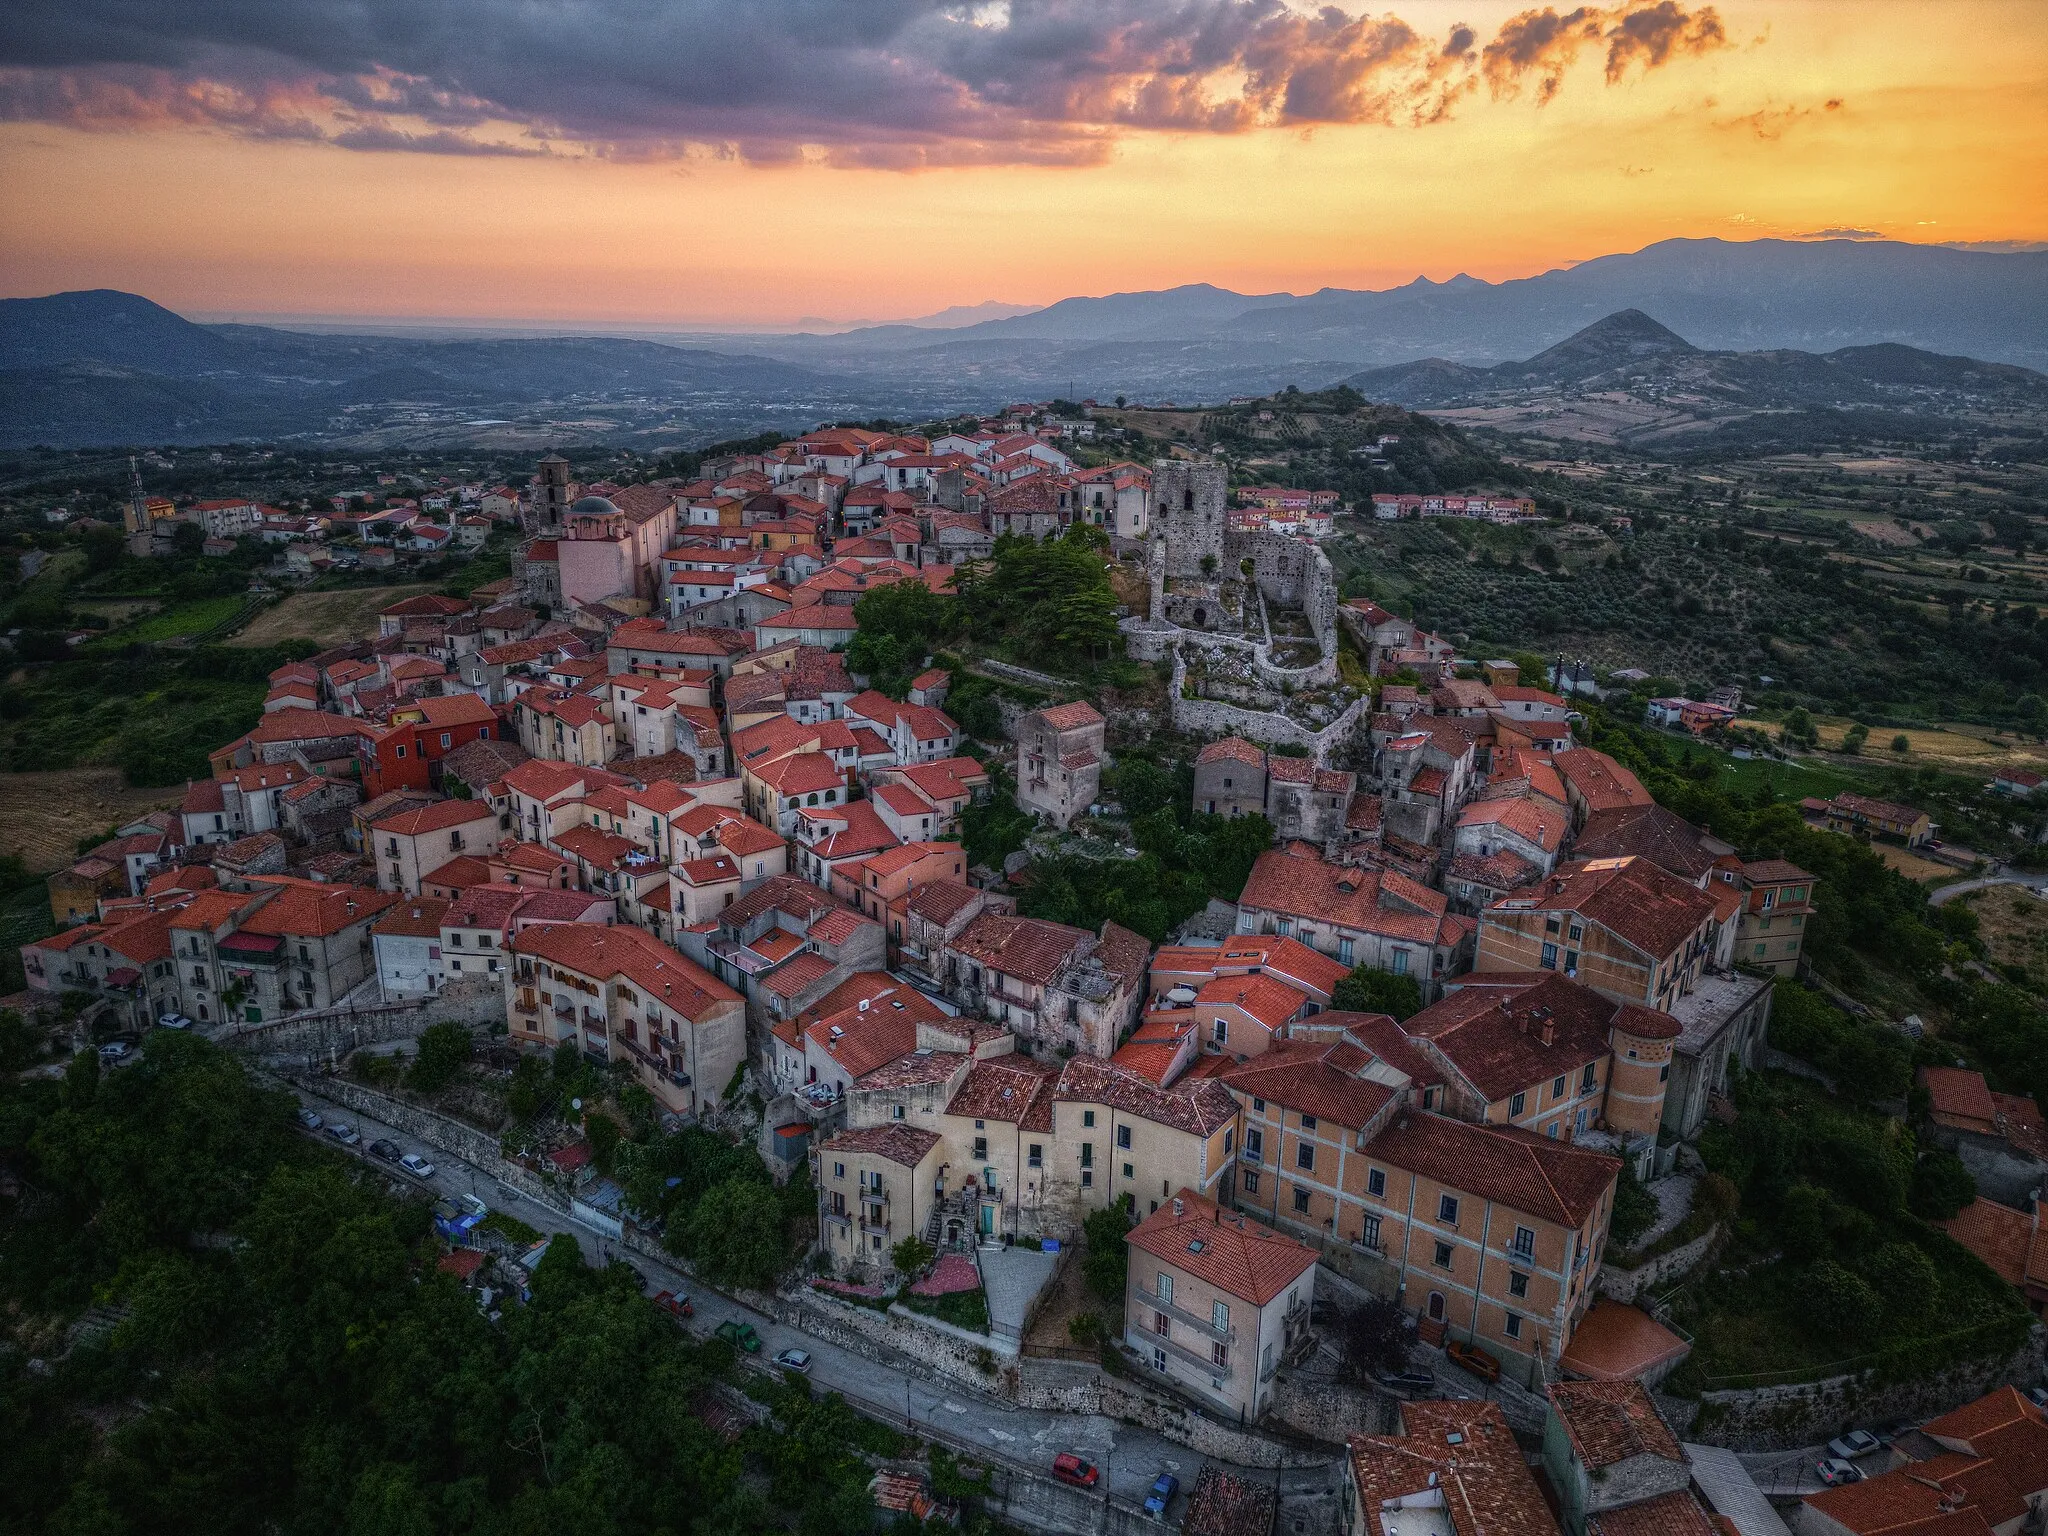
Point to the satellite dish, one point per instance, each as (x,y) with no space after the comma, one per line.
(576,1104)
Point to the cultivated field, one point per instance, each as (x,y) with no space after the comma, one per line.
(43,815)
(325,618)
(1913,867)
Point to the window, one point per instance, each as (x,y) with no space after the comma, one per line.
(1255,1145)
(1550,957)
(1219,1356)
(1286,926)
(1088,1117)
(1087,1154)
(1258,1106)
(1219,1316)
(1576,933)
(1443,1255)
(981,1149)
(1400,962)
(1229,1140)
(1376,1181)
(1301,1202)
(1222,1032)
(1308,1122)
(1251,1181)
(1160,1324)
(1517,1104)
(897,1112)
(1664,1073)
(1164,1289)
(1514,1325)
(1123,1137)
(1518,1283)
(1087,1178)
(1589,1077)
(1158,1359)
(1127,1171)
(1524,1245)
(1369,1232)
(1447,1210)
(1305,1156)
(1579,1122)
(1556,1089)
(1344,951)
(1036,1158)
(839,1170)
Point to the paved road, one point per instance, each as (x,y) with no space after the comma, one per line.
(2037,883)
(1130,1457)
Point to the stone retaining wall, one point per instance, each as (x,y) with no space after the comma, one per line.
(1330,1412)
(1625,1285)
(1211,717)
(443,1132)
(1805,1413)
(330,1033)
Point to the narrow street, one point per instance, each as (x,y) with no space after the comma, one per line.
(1130,1457)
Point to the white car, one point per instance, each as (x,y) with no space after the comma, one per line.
(1854,1443)
(173,1021)
(113,1050)
(794,1360)
(344,1133)
(1834,1471)
(310,1119)
(416,1165)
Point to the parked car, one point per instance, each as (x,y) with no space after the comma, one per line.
(1069,1468)
(1835,1472)
(416,1165)
(1406,1381)
(173,1021)
(310,1119)
(1474,1359)
(2038,1396)
(384,1151)
(113,1050)
(797,1360)
(1161,1496)
(345,1133)
(1854,1443)
(675,1304)
(740,1336)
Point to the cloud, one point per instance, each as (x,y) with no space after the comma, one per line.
(902,84)
(1843,232)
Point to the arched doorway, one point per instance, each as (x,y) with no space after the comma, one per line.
(953,1233)
(1436,1306)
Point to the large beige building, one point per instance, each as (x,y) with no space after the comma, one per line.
(876,1187)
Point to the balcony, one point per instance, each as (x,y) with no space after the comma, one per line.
(1145,1341)
(874,1228)
(839,1218)
(1185,1318)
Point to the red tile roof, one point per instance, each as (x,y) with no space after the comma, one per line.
(678,984)
(1492,1029)
(904,1145)
(1240,1258)
(441,814)
(1314,1077)
(1199,1108)
(1676,1513)
(1532,1174)
(1611,1421)
(1466,1450)
(1025,947)
(1632,898)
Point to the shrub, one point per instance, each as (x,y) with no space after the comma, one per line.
(443,1051)
(1942,1186)
(1107,1261)
(1367,990)
(1843,1304)
(1375,1338)
(912,1256)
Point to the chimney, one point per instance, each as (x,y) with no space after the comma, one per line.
(1549,1033)
(1179,1206)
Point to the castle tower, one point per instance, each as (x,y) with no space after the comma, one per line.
(1188,512)
(549,503)
(1640,1069)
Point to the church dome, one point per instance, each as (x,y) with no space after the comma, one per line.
(592,506)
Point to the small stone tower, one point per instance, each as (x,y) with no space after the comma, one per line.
(1188,513)
(549,502)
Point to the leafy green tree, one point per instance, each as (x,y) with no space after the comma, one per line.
(530,1092)
(1374,1338)
(1905,1281)
(1844,1307)
(912,1256)
(604,1136)
(1142,788)
(736,1234)
(444,1049)
(1902,743)
(1942,1186)
(1371,990)
(1105,1263)
(1805,1216)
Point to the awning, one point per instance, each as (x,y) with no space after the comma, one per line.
(252,943)
(126,976)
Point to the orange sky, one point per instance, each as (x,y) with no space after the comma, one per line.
(1917,121)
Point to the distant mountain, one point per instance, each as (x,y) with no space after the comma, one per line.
(101,367)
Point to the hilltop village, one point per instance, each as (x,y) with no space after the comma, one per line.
(635,802)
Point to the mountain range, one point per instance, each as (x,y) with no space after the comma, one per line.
(107,367)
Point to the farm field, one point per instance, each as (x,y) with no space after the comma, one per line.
(2013,922)
(180,620)
(1913,867)
(43,815)
(325,618)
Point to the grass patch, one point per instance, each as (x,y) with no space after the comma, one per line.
(963,1309)
(510,1227)
(178,621)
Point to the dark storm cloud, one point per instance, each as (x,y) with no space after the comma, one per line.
(896,83)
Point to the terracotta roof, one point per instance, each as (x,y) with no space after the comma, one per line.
(1676,1513)
(904,1145)
(1464,1449)
(1006,1088)
(1198,1108)
(1315,1077)
(1946,1495)
(2006,1240)
(1025,947)
(1224,1504)
(1240,1258)
(791,980)
(940,901)
(1264,998)
(678,984)
(1663,837)
(1632,898)
(412,821)
(873,1031)
(1599,780)
(1549,1179)
(1155,1046)
(1491,1030)
(1961,1098)
(1531,818)
(419,918)
(1301,884)
(313,911)
(1611,1421)
(1067,717)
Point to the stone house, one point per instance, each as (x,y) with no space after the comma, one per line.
(1055,986)
(1454,1466)
(1059,760)
(2000,1137)
(305,945)
(1356,916)
(1621,926)
(876,1187)
(623,996)
(1723,1023)
(1214,1303)
(1116,1132)
(407,943)
(1605,1447)
(1777,904)
(411,842)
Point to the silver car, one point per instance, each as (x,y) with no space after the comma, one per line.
(416,1165)
(1854,1443)
(794,1360)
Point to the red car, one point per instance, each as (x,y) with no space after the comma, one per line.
(674,1305)
(1069,1468)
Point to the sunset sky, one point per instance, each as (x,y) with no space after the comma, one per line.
(721,162)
